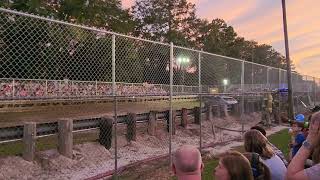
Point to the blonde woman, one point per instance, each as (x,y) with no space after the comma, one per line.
(256,142)
(233,166)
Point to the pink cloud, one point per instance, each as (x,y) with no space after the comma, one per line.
(261,20)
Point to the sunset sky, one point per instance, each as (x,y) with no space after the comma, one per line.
(261,20)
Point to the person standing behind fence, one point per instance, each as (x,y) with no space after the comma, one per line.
(187,163)
(233,166)
(256,142)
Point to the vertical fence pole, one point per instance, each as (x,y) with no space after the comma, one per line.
(242,97)
(13,88)
(279,95)
(171,90)
(268,84)
(199,84)
(96,88)
(72,88)
(46,88)
(114,105)
(309,89)
(59,92)
(314,92)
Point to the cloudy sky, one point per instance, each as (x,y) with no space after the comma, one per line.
(261,20)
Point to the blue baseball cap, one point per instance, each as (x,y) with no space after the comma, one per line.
(299,118)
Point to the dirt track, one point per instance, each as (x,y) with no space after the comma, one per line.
(52,113)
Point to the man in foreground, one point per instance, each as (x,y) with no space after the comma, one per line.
(187,163)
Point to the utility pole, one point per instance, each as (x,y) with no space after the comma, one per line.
(290,93)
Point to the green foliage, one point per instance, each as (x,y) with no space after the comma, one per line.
(166,20)
(50,51)
(99,13)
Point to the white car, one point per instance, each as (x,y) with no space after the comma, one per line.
(227,100)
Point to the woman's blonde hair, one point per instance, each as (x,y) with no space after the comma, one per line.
(259,168)
(237,165)
(254,141)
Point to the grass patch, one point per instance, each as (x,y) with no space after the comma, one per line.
(209,168)
(281,140)
(45,143)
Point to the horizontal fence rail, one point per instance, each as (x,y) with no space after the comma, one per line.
(44,129)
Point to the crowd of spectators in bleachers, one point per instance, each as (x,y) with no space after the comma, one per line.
(63,89)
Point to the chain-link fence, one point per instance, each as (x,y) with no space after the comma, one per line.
(108,101)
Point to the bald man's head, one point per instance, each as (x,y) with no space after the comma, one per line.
(187,160)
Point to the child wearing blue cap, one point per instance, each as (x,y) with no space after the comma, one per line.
(297,137)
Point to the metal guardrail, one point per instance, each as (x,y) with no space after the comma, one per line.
(15,133)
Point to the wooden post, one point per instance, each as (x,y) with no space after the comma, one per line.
(105,134)
(252,106)
(65,137)
(236,109)
(209,113)
(216,110)
(174,115)
(223,110)
(152,123)
(197,115)
(29,141)
(184,117)
(246,109)
(131,127)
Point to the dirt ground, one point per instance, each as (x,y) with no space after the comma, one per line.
(53,113)
(91,159)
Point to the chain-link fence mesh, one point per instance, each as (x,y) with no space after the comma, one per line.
(106,98)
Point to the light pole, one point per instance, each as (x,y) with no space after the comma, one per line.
(225,83)
(183,61)
(285,31)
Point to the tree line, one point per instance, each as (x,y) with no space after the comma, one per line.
(38,49)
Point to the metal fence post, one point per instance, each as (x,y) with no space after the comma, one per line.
(96,88)
(314,91)
(13,88)
(242,97)
(114,105)
(171,91)
(46,88)
(199,85)
(279,96)
(268,83)
(59,92)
